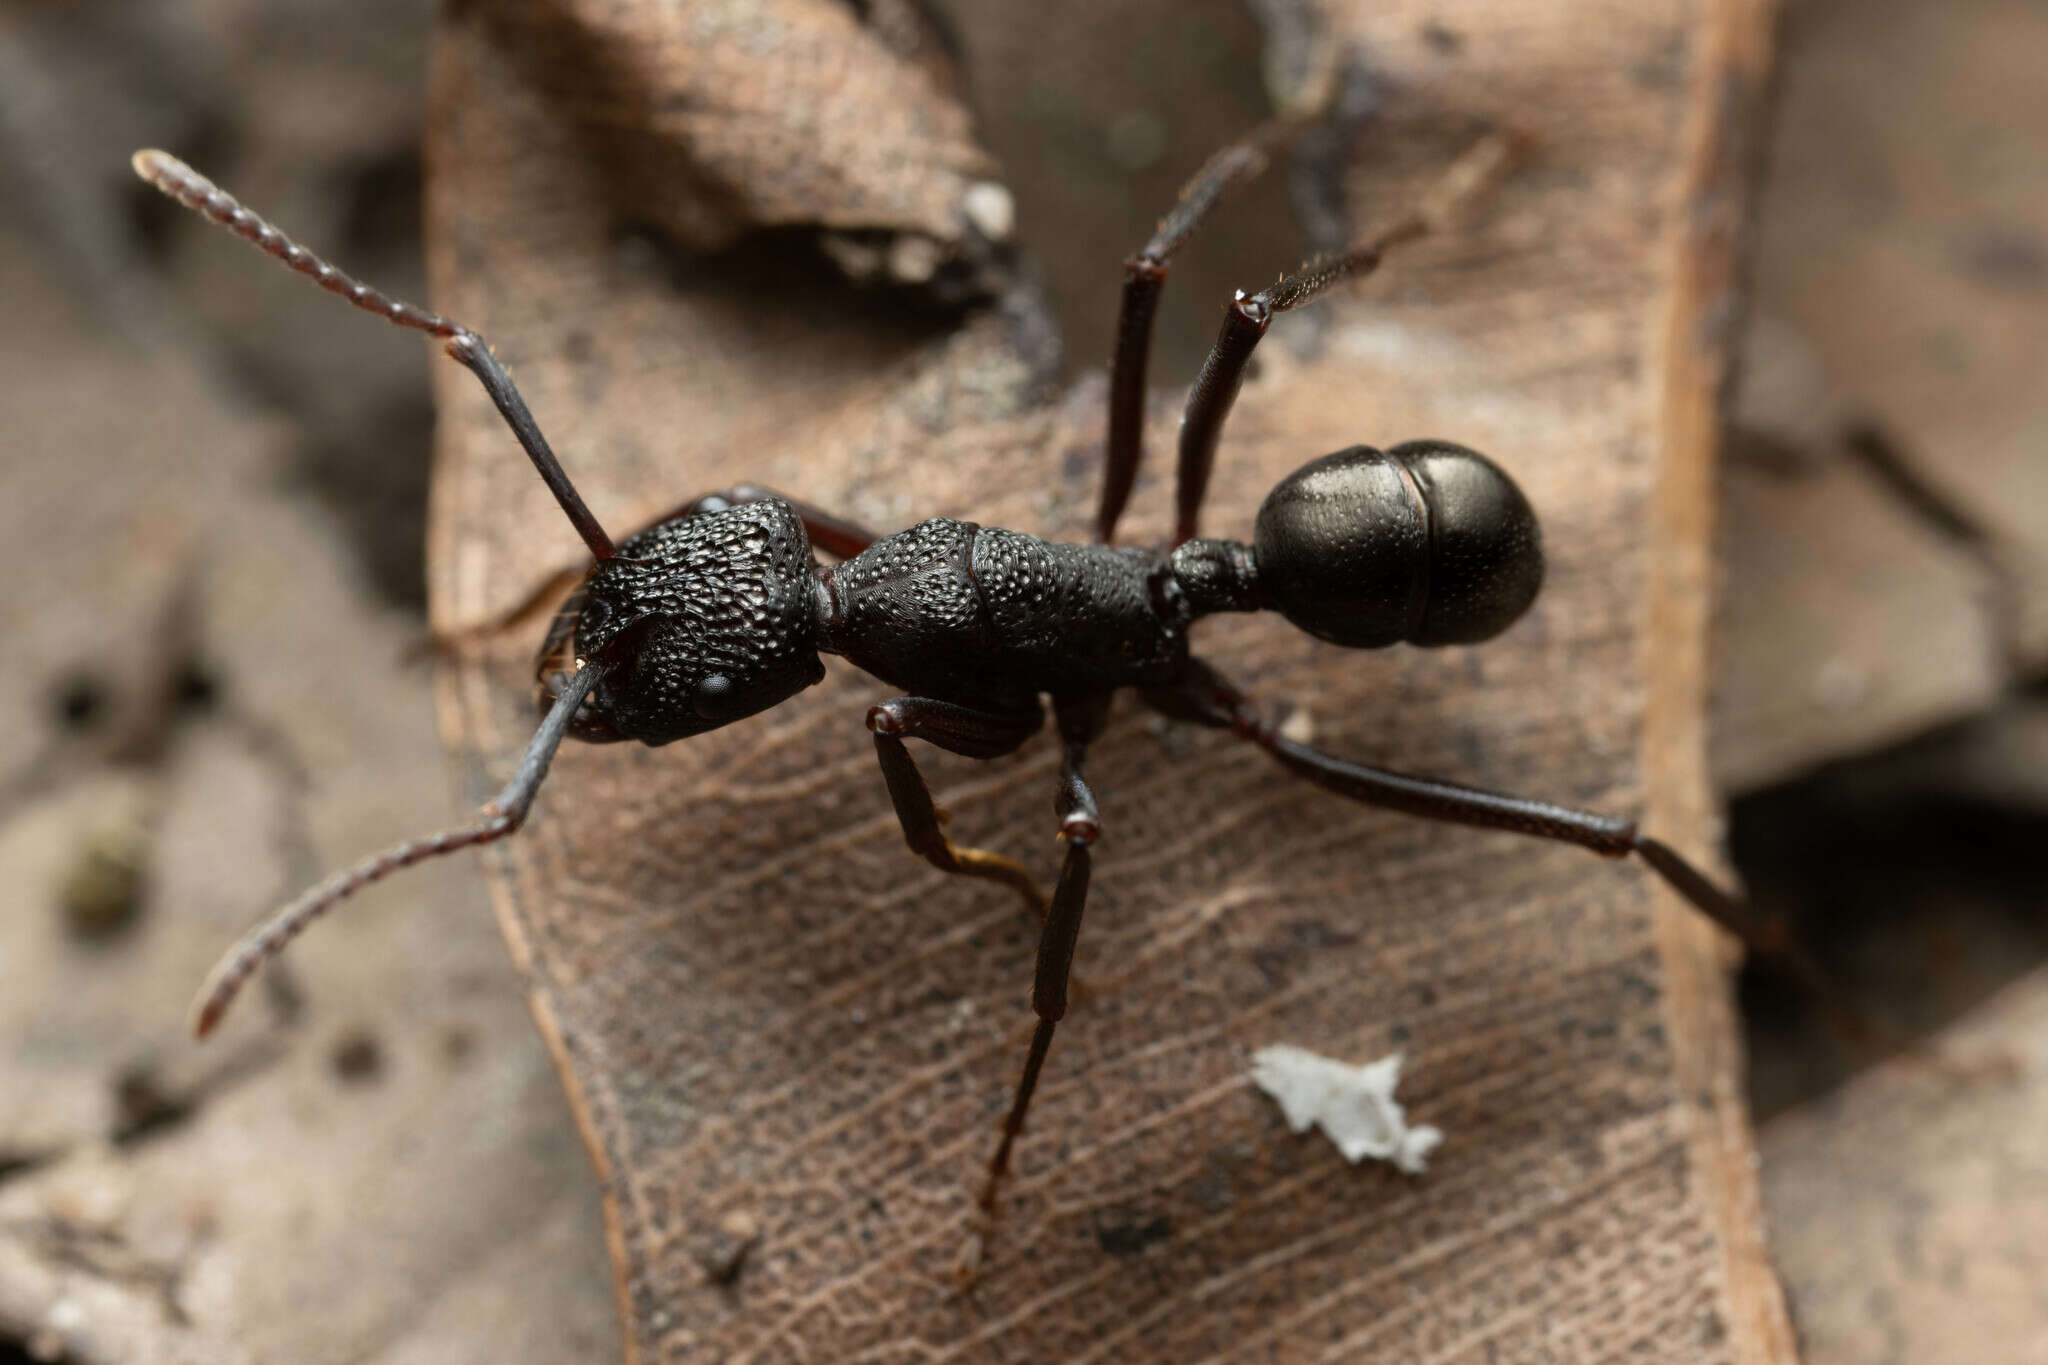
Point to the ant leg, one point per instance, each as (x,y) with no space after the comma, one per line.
(1080,825)
(1205,697)
(962,730)
(1144,277)
(836,536)
(1248,317)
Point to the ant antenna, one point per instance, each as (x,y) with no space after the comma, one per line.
(503,815)
(164,172)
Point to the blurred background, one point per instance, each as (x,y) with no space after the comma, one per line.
(215,494)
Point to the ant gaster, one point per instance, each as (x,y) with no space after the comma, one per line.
(721,610)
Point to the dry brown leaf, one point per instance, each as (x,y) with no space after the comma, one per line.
(1899,279)
(707,119)
(1908,1208)
(777,1025)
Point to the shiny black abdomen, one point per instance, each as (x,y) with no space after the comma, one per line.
(961,612)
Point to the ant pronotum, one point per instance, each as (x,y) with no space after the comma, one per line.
(720,610)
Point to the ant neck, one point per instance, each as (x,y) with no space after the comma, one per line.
(1217,575)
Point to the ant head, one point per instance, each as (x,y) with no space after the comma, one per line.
(1429,543)
(698,621)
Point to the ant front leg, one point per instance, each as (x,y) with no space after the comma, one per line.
(558,588)
(961,730)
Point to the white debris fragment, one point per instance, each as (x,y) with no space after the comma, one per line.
(991,209)
(913,258)
(1299,725)
(1353,1105)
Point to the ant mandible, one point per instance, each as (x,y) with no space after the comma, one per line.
(721,610)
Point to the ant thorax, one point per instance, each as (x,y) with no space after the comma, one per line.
(958,611)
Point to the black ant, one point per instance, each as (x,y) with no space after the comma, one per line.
(720,610)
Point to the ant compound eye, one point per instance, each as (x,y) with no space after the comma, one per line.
(596,615)
(715,696)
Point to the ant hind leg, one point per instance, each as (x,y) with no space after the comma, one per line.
(1144,277)
(1206,698)
(1249,315)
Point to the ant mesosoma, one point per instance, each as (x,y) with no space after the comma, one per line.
(720,610)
